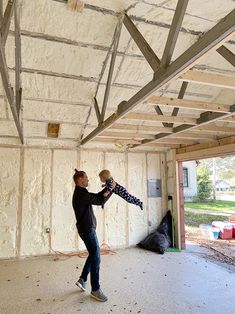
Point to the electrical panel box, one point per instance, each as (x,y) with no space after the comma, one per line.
(154,188)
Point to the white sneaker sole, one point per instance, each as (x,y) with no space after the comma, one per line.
(101,300)
(80,286)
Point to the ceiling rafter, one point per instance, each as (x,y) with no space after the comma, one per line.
(111,69)
(205,150)
(180,96)
(96,105)
(14,102)
(162,118)
(210,79)
(130,141)
(210,41)
(227,54)
(169,49)
(139,128)
(205,118)
(18,86)
(188,104)
(6,20)
(173,33)
(160,113)
(142,44)
(214,128)
(126,135)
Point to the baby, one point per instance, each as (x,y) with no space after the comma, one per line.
(105,177)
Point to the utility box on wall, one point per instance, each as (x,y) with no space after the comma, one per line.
(154,188)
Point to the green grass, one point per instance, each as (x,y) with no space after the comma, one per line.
(194,220)
(213,206)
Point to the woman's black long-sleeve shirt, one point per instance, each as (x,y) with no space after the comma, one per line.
(82,205)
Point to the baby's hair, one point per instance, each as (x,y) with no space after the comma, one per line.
(77,175)
(105,174)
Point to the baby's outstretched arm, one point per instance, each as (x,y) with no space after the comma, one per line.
(110,184)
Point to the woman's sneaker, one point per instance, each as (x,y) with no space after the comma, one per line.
(81,284)
(99,295)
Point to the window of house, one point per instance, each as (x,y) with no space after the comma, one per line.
(185,177)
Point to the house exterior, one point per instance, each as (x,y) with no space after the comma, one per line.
(222,185)
(190,180)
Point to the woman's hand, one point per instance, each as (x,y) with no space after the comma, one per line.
(106,194)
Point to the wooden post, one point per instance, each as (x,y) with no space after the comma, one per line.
(181,205)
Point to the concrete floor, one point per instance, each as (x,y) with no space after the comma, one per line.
(136,281)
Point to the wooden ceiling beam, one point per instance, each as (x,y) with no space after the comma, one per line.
(195,136)
(206,78)
(227,54)
(142,44)
(13,101)
(208,42)
(120,135)
(204,119)
(164,118)
(140,128)
(214,128)
(177,141)
(220,142)
(187,104)
(115,140)
(162,145)
(174,32)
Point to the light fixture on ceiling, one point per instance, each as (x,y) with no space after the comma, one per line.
(53,130)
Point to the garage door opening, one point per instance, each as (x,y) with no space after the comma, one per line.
(207,204)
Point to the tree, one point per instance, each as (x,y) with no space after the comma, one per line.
(225,167)
(204,185)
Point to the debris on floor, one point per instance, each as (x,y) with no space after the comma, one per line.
(223,250)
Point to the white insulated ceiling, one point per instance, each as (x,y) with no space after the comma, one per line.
(63,53)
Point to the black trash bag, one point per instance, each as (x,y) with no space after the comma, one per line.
(160,239)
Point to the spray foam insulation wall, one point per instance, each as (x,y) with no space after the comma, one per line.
(9,191)
(36,193)
(36,202)
(62,216)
